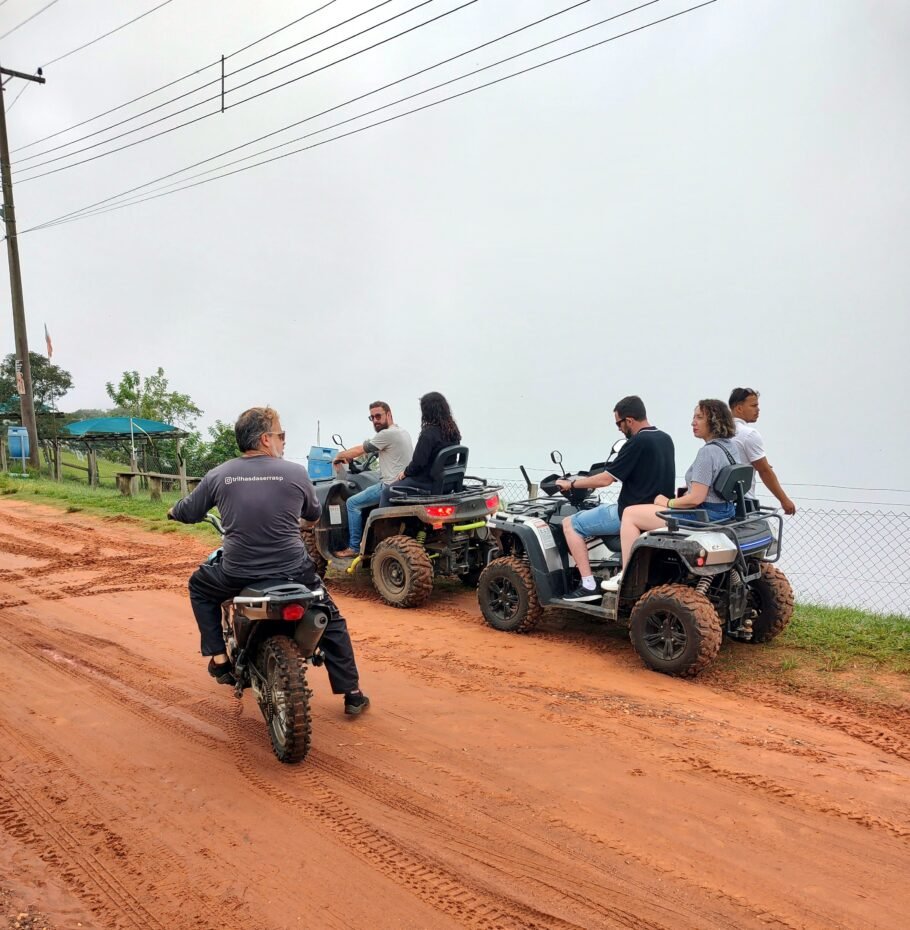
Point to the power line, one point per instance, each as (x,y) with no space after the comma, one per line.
(25,87)
(135,19)
(376,90)
(389,119)
(9,32)
(405,98)
(188,93)
(197,119)
(218,97)
(150,93)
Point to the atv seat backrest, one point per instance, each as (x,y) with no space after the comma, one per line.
(731,484)
(448,469)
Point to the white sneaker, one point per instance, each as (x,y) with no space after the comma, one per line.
(612,584)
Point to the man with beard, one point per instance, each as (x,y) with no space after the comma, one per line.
(646,466)
(394,447)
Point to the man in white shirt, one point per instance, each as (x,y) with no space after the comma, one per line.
(394,447)
(744,407)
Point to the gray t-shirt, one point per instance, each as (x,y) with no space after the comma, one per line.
(394,446)
(261,500)
(708,463)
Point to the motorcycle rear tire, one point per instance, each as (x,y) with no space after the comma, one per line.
(286,704)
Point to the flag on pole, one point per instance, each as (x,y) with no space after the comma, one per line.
(50,345)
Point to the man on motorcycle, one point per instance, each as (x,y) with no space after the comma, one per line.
(261,499)
(394,447)
(646,466)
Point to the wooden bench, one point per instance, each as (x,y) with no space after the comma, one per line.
(155,479)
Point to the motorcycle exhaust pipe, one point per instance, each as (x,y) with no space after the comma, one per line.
(310,629)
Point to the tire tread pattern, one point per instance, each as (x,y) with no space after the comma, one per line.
(291,668)
(534,611)
(419,567)
(706,620)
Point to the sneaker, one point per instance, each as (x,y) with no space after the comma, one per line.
(581,593)
(355,702)
(612,584)
(348,553)
(223,674)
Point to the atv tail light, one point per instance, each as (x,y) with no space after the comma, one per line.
(444,511)
(292,612)
(700,561)
(492,502)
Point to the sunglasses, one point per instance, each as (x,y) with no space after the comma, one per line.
(280,435)
(619,423)
(375,416)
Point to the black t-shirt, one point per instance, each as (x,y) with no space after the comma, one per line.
(646,466)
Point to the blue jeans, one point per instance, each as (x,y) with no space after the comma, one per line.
(602,520)
(715,512)
(356,505)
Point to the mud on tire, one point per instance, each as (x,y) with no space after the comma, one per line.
(675,630)
(772,596)
(287,698)
(402,572)
(508,597)
(309,540)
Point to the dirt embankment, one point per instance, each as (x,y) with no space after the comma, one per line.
(544,781)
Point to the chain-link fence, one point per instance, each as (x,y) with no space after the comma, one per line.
(839,558)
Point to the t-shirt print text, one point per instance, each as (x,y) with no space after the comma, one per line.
(230,480)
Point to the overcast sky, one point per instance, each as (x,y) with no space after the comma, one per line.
(719,200)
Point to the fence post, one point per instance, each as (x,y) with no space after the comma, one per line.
(92,467)
(58,461)
(3,463)
(181,468)
(533,491)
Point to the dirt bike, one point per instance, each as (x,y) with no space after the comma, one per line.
(272,630)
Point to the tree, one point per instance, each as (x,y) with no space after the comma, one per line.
(49,382)
(150,399)
(202,456)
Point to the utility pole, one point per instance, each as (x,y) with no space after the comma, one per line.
(23,367)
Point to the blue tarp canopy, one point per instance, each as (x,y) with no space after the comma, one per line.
(121,428)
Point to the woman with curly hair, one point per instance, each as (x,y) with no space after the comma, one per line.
(713,423)
(437,430)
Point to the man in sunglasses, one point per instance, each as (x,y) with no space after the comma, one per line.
(646,466)
(393,446)
(262,500)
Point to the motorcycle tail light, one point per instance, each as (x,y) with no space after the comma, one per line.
(444,511)
(292,612)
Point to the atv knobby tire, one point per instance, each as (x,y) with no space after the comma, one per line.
(508,597)
(402,572)
(675,630)
(772,596)
(309,540)
(286,705)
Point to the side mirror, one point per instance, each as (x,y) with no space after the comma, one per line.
(615,449)
(336,438)
(556,459)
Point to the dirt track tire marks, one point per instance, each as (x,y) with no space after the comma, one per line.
(472,905)
(100,865)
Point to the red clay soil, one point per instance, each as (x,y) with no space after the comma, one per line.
(545,781)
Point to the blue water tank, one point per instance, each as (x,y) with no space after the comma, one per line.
(319,462)
(17,442)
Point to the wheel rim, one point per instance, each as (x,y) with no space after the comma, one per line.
(393,574)
(665,635)
(504,599)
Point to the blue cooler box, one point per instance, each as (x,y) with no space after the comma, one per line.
(17,442)
(319,462)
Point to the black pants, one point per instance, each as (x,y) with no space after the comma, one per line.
(210,585)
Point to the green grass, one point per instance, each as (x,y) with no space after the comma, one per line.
(837,637)
(74,496)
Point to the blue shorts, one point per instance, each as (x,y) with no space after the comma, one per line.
(599,521)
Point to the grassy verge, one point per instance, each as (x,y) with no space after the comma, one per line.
(74,496)
(841,637)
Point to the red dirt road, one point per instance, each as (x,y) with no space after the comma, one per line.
(545,781)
